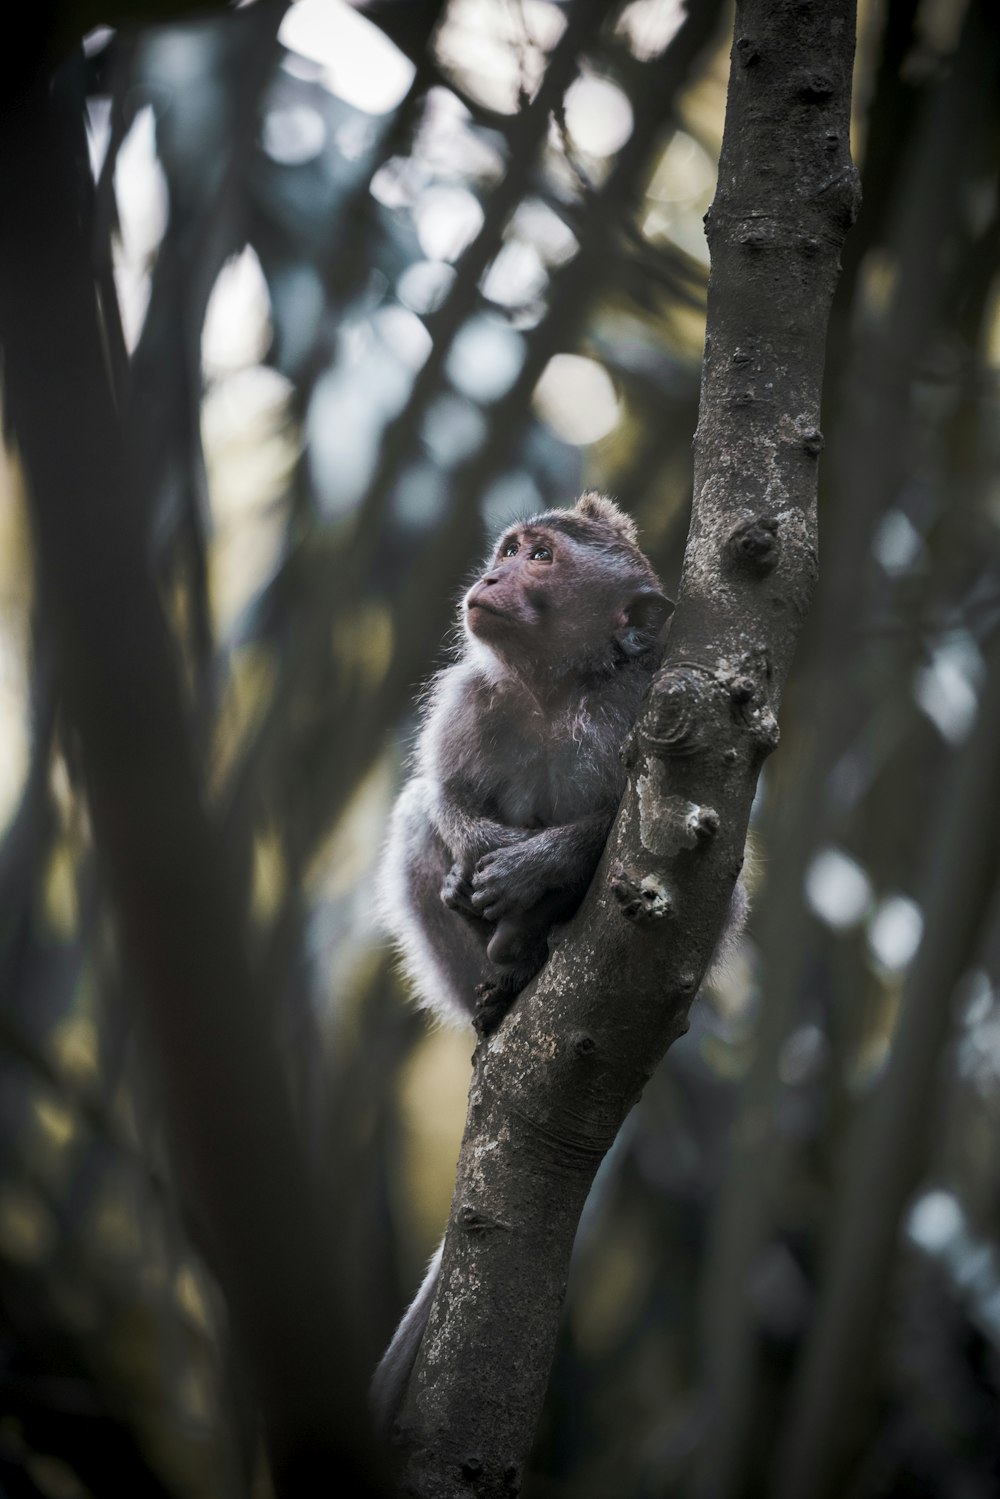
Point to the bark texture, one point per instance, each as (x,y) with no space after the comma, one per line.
(551,1088)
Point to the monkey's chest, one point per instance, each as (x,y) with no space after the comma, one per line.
(565,773)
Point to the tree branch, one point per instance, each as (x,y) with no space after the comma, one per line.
(552,1086)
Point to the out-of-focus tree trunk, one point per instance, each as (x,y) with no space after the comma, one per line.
(236,1147)
(892,1134)
(867,456)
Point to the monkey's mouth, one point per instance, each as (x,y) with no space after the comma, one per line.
(478,605)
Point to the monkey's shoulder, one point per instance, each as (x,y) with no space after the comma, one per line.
(455,708)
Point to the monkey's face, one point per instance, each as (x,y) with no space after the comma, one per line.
(548,600)
(521,587)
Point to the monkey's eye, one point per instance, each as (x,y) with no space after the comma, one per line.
(509,549)
(541,554)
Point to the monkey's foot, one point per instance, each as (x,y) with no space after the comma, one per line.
(492,1004)
(514,946)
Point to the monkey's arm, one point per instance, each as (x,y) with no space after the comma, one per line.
(513,878)
(462,818)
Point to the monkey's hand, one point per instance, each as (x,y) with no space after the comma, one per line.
(511,880)
(457,889)
(456,892)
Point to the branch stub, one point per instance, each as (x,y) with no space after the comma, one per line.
(754,545)
(642,900)
(815,87)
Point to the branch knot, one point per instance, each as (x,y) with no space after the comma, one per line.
(475,1222)
(754,545)
(673,722)
(642,900)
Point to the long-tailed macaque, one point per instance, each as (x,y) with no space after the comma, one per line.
(518,772)
(517,778)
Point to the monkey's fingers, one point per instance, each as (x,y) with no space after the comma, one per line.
(488,908)
(494,865)
(497,878)
(493,899)
(457,892)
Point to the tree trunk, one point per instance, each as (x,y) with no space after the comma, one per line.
(552,1086)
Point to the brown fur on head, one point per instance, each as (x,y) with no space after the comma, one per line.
(601,508)
(597,521)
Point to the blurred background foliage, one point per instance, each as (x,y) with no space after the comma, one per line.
(374,282)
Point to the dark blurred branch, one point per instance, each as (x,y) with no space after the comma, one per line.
(889,1147)
(871,452)
(230,1121)
(208,223)
(895,101)
(527,135)
(28,836)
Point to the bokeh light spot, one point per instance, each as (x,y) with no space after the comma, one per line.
(837,889)
(359,62)
(577,398)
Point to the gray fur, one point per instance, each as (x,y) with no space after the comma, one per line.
(517,772)
(388,1386)
(517,777)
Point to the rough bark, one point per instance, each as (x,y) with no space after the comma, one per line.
(551,1088)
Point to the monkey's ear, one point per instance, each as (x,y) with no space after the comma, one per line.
(642,619)
(598,507)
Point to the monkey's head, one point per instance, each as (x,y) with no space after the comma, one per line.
(568,591)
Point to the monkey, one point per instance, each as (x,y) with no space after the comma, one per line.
(517,778)
(518,774)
